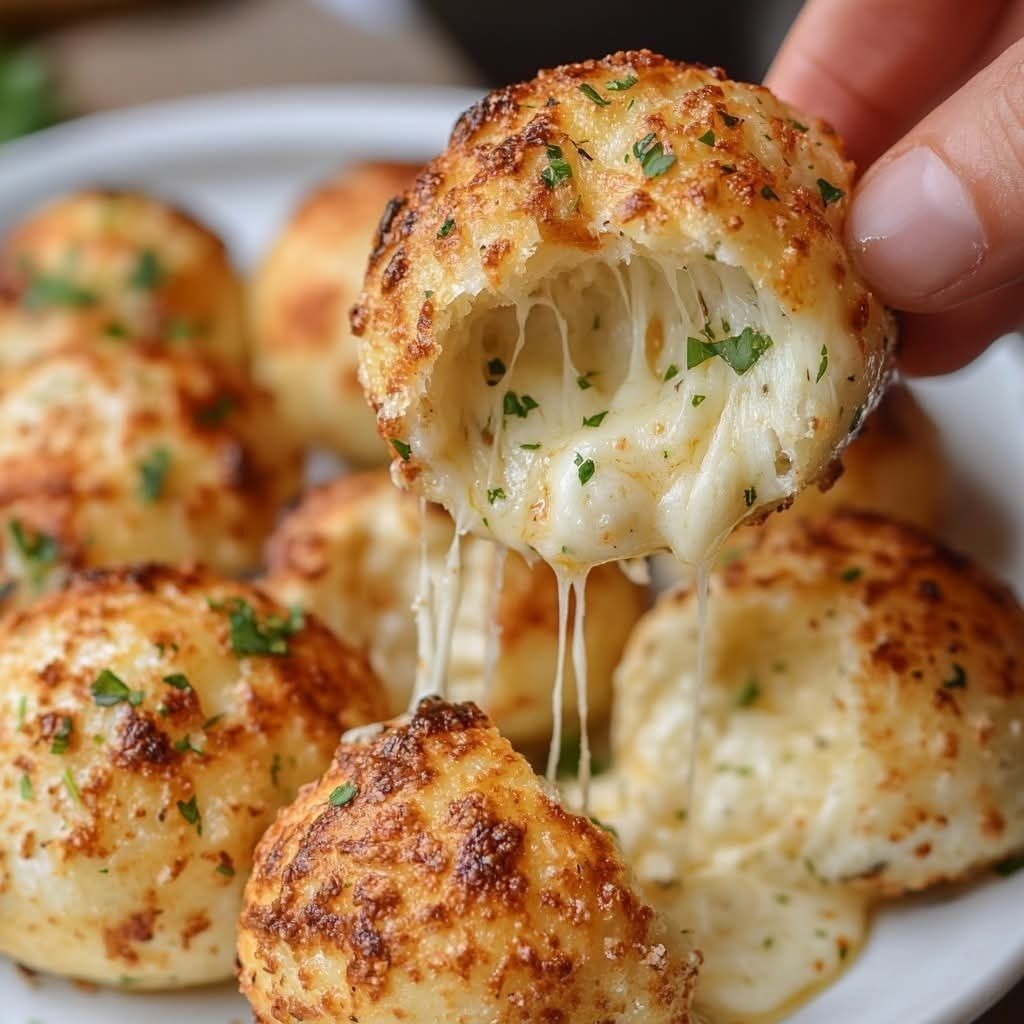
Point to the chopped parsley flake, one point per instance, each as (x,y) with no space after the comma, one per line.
(25,787)
(743,350)
(768,941)
(147,272)
(749,496)
(593,95)
(48,290)
(178,680)
(495,371)
(823,365)
(497,494)
(672,371)
(37,550)
(621,84)
(958,680)
(109,689)
(249,636)
(275,770)
(343,794)
(851,574)
(829,193)
(602,825)
(514,405)
(730,120)
(153,472)
(708,138)
(749,694)
(767,192)
(698,351)
(557,170)
(595,420)
(446,228)
(652,156)
(216,412)
(798,125)
(115,330)
(22,712)
(184,745)
(404,450)
(696,400)
(71,786)
(225,869)
(189,810)
(62,735)
(584,467)
(583,380)
(529,447)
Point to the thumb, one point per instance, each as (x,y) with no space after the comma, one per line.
(939,219)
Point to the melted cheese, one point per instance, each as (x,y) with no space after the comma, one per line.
(568,424)
(768,943)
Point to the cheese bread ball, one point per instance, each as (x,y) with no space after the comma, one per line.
(120,268)
(302,347)
(429,877)
(894,466)
(350,553)
(621,301)
(152,721)
(863,712)
(109,457)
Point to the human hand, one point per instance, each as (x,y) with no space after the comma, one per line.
(930,93)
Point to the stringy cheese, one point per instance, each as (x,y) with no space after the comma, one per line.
(569,424)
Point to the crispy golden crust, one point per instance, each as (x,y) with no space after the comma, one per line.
(127,827)
(104,266)
(441,883)
(302,347)
(895,467)
(752,189)
(118,456)
(870,681)
(349,551)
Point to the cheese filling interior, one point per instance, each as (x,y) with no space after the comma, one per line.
(621,408)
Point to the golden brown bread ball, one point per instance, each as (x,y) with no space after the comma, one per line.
(863,711)
(119,268)
(303,350)
(350,553)
(151,723)
(429,877)
(115,456)
(620,301)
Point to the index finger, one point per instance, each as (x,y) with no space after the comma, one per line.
(873,67)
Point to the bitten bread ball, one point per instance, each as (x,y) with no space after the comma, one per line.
(303,350)
(350,553)
(109,457)
(121,268)
(151,723)
(894,466)
(863,712)
(617,314)
(428,877)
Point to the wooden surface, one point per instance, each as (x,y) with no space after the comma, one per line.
(137,56)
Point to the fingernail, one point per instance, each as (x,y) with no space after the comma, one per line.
(914,226)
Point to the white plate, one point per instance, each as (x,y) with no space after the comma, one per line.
(240,161)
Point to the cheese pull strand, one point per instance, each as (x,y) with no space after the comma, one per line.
(557,693)
(579,667)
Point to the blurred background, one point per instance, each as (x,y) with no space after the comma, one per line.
(62,58)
